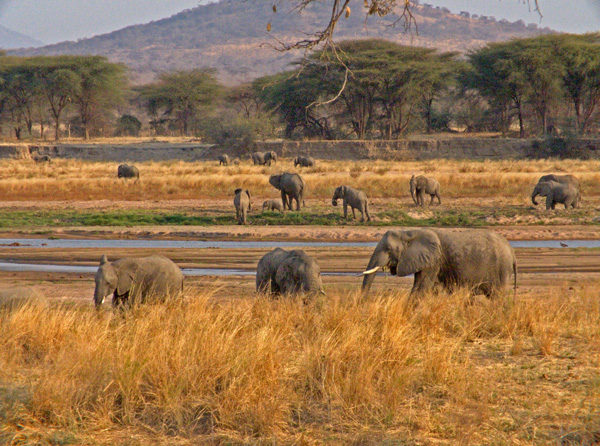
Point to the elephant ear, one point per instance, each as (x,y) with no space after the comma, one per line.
(275,181)
(422,250)
(125,276)
(103,260)
(421,182)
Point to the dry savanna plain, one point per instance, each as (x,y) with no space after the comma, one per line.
(224,366)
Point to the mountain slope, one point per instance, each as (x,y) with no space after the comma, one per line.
(13,39)
(231,37)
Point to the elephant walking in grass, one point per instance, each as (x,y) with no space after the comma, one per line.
(288,272)
(564,179)
(224,159)
(135,280)
(563,193)
(421,185)
(242,204)
(273,205)
(475,258)
(292,187)
(128,171)
(354,198)
(304,161)
(261,158)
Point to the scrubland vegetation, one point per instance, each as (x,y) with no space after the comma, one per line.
(337,370)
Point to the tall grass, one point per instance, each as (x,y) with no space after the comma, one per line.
(337,370)
(79,180)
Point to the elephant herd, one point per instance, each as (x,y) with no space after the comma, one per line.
(478,259)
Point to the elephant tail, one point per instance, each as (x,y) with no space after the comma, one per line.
(515,275)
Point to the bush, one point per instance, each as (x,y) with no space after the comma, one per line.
(128,125)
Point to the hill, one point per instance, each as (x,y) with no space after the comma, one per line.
(13,39)
(231,36)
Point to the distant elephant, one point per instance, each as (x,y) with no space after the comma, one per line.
(292,187)
(42,158)
(555,193)
(273,205)
(242,204)
(304,161)
(565,179)
(261,159)
(354,198)
(476,258)
(17,297)
(127,171)
(421,185)
(135,280)
(224,159)
(288,272)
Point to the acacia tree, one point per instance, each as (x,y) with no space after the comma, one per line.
(60,87)
(181,95)
(102,88)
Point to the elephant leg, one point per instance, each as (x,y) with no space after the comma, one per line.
(345,210)
(284,199)
(367,211)
(431,201)
(424,282)
(353,212)
(437,194)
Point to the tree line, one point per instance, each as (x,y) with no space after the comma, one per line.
(367,89)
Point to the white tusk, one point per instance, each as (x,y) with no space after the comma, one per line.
(371,271)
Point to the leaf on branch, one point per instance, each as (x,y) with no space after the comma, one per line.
(268,26)
(275,8)
(348,11)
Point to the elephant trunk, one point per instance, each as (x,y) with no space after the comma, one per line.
(379,260)
(99,295)
(412,191)
(533,195)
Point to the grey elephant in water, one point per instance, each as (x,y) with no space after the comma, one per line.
(292,187)
(273,205)
(261,158)
(243,205)
(304,161)
(476,258)
(563,179)
(354,198)
(554,192)
(288,272)
(127,171)
(421,185)
(224,159)
(135,280)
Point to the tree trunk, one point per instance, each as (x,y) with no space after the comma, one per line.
(56,129)
(18,132)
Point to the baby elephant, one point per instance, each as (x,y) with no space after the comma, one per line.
(128,171)
(354,198)
(421,185)
(555,193)
(224,159)
(242,204)
(288,272)
(273,205)
(304,161)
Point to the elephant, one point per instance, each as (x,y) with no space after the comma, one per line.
(555,192)
(128,171)
(476,258)
(242,204)
(288,272)
(136,280)
(422,185)
(18,297)
(565,179)
(354,198)
(260,158)
(272,205)
(224,159)
(38,158)
(292,187)
(304,161)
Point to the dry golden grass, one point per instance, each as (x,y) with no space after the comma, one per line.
(336,371)
(78,180)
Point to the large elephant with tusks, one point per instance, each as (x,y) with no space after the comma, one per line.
(292,187)
(475,258)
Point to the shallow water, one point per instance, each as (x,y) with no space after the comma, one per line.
(58,268)
(170,244)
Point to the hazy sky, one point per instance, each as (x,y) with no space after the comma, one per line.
(56,20)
